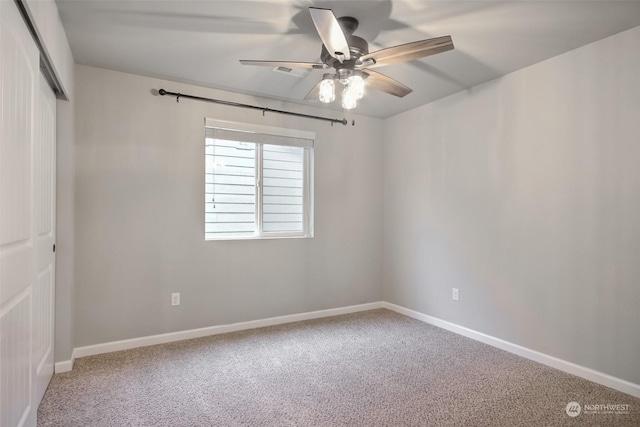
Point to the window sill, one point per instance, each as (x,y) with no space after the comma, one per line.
(227,239)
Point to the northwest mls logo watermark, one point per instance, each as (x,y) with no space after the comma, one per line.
(573,409)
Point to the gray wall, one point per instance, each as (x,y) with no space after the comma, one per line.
(524,193)
(65,216)
(139,216)
(65,235)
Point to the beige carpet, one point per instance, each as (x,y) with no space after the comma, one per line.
(375,368)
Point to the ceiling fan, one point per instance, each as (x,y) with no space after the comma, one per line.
(349,56)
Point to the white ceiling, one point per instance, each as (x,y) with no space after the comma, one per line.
(201,41)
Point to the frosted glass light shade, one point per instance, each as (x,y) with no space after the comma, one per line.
(327,91)
(348,98)
(356,85)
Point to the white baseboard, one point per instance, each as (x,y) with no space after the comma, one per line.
(215,330)
(562,365)
(64,366)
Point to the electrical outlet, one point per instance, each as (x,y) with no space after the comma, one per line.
(454,295)
(175,298)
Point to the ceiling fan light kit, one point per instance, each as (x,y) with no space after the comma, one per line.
(349,56)
(353,88)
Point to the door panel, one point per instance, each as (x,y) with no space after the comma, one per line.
(44,195)
(16,370)
(26,284)
(17,112)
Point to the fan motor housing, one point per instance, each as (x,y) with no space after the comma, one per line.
(357,47)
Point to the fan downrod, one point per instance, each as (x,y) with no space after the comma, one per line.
(348,24)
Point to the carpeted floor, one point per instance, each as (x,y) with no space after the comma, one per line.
(375,368)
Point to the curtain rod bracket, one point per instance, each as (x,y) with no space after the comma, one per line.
(163,92)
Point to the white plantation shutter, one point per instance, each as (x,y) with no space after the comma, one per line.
(259,137)
(257,182)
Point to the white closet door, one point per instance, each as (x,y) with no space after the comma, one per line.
(26,225)
(44,167)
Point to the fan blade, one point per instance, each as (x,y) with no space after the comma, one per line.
(286,64)
(331,33)
(313,93)
(386,84)
(408,52)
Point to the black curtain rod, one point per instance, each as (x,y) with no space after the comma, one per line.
(253,107)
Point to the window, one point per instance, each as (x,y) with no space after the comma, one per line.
(258,181)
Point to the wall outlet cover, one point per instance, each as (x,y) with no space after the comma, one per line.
(175,298)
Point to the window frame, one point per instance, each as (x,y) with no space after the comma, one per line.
(307,184)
